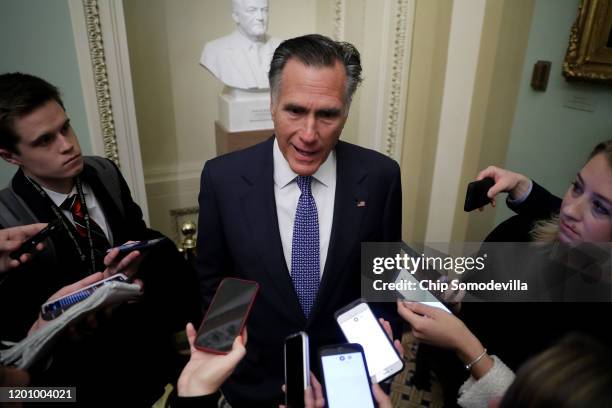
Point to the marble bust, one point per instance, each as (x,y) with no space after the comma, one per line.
(242,59)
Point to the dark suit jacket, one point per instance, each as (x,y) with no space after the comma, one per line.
(238,236)
(133,348)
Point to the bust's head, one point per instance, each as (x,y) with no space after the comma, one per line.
(251,16)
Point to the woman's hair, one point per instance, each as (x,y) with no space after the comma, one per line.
(548,230)
(576,372)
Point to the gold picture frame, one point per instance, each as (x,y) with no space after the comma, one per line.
(589,54)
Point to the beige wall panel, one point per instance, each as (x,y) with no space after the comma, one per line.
(176,98)
(502,53)
(425,85)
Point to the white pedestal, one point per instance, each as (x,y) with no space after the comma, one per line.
(241,110)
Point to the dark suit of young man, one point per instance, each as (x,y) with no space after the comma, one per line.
(129,356)
(239,225)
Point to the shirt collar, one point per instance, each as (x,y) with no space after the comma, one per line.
(284,175)
(59,198)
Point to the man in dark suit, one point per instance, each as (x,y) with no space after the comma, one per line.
(291,213)
(93,204)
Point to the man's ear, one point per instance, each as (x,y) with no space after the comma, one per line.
(235,17)
(272,108)
(10,157)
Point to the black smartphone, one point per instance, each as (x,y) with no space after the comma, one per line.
(476,194)
(138,245)
(297,369)
(359,325)
(29,245)
(55,308)
(346,380)
(226,315)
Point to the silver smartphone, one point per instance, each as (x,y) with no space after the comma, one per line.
(359,325)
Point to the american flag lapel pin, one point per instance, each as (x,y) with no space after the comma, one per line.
(360,203)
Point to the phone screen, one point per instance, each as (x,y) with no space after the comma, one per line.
(226,315)
(53,309)
(297,369)
(359,325)
(346,380)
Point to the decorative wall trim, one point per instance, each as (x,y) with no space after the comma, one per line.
(394,127)
(102,88)
(386,27)
(104,68)
(339,18)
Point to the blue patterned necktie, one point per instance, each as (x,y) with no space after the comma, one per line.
(305,247)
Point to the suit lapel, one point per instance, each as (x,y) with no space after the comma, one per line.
(259,206)
(346,223)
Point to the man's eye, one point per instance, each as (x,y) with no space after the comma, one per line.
(45,140)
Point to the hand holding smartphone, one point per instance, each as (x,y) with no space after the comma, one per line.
(297,369)
(346,379)
(226,316)
(30,244)
(476,194)
(359,325)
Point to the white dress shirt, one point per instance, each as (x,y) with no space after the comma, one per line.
(93,208)
(287,194)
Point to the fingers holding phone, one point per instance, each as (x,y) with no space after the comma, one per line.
(515,184)
(205,372)
(17,244)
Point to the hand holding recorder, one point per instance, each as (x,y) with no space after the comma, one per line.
(17,244)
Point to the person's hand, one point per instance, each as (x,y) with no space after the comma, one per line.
(508,181)
(11,239)
(127,265)
(396,343)
(205,372)
(90,322)
(432,325)
(313,395)
(94,277)
(442,329)
(13,377)
(381,398)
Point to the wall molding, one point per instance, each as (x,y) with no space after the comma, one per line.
(339,19)
(101,44)
(387,43)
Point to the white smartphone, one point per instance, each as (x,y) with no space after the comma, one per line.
(359,325)
(418,295)
(345,377)
(297,369)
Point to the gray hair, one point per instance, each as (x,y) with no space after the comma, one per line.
(317,51)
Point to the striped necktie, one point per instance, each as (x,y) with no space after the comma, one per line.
(99,240)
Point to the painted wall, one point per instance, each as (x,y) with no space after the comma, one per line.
(549,141)
(37,38)
(176,98)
